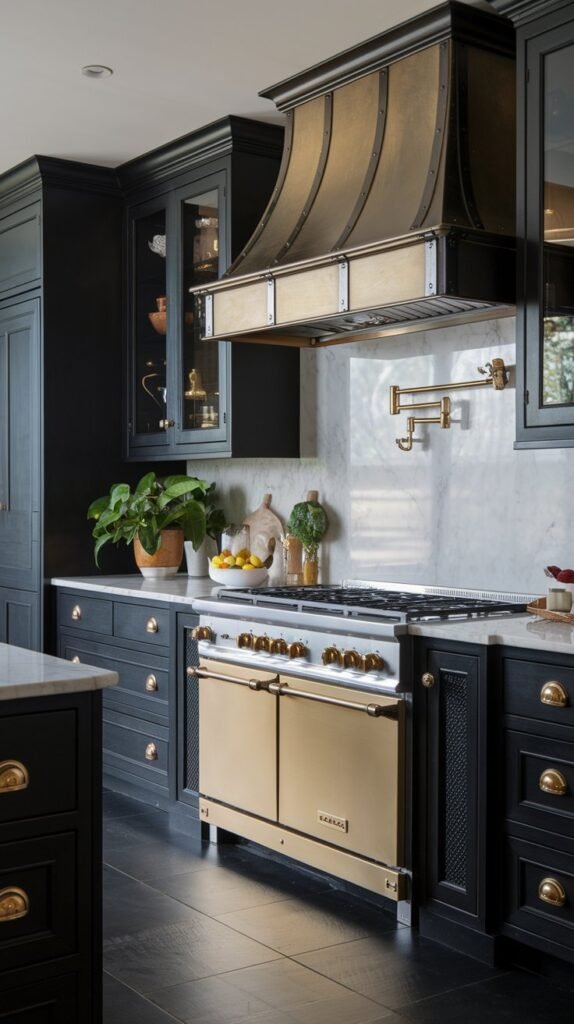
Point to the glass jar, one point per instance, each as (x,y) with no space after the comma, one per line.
(235,539)
(310,566)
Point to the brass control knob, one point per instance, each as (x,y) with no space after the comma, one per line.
(332,656)
(262,643)
(351,659)
(203,633)
(278,647)
(245,640)
(372,663)
(297,650)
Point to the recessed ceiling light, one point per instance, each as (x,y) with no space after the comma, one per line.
(97,71)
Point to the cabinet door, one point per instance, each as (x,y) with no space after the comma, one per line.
(546,202)
(19,444)
(198,380)
(148,325)
(20,619)
(20,250)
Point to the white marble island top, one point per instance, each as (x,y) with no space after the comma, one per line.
(26,673)
(180,589)
(527,631)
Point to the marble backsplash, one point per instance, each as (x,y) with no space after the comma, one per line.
(462,509)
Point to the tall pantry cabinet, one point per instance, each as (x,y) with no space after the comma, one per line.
(60,378)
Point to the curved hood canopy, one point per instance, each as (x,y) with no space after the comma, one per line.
(394,206)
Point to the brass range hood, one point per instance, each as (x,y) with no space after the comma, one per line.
(394,206)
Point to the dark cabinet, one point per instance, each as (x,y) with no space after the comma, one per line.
(191,207)
(545,323)
(452,837)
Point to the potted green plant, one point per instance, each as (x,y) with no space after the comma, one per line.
(215,520)
(157,517)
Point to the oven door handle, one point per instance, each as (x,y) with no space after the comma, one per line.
(253,684)
(374,710)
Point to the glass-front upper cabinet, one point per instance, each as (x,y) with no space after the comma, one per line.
(201,412)
(546,417)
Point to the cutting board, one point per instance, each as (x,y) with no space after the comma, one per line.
(264,526)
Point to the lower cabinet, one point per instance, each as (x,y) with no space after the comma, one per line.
(538,749)
(19,618)
(50,860)
(454,748)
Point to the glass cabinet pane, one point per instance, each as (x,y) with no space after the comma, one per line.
(201,407)
(150,323)
(557,362)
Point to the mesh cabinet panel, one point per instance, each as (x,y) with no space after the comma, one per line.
(191,718)
(454,712)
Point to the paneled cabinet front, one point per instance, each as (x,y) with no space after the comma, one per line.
(545,352)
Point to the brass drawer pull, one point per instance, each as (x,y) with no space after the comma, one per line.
(554,694)
(76,659)
(253,684)
(151,625)
(151,683)
(427,679)
(76,613)
(552,891)
(151,753)
(554,782)
(14,903)
(373,710)
(13,776)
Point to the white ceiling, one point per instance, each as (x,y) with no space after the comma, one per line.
(178,65)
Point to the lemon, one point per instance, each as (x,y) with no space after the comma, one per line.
(223,565)
(230,560)
(244,554)
(216,561)
(239,561)
(224,553)
(255,561)
(248,566)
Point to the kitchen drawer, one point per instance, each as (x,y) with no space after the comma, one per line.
(136,748)
(141,622)
(529,867)
(38,770)
(143,682)
(540,782)
(46,1002)
(526,682)
(43,870)
(91,614)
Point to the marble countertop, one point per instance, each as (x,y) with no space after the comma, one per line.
(180,589)
(521,630)
(525,631)
(30,674)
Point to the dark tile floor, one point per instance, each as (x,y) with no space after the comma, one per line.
(206,935)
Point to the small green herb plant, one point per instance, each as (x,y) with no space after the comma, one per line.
(154,505)
(309,523)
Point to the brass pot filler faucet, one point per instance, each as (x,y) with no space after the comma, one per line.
(497,377)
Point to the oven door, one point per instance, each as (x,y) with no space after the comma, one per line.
(341,770)
(238,737)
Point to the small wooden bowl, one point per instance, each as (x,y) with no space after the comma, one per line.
(539,608)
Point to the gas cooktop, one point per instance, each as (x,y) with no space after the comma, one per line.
(363,602)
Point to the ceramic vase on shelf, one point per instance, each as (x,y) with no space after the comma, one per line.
(167,559)
(197,561)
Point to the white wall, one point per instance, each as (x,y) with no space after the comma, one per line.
(463,508)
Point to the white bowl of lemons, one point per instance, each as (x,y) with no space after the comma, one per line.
(237,571)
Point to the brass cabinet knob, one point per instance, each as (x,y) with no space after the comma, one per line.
(202,633)
(552,891)
(554,782)
(14,903)
(151,683)
(351,659)
(372,663)
(13,776)
(151,625)
(297,650)
(262,643)
(245,640)
(166,424)
(332,656)
(278,647)
(76,659)
(428,680)
(555,694)
(151,753)
(76,613)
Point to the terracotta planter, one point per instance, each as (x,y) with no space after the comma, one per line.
(167,558)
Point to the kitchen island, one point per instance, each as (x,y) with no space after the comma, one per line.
(50,838)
